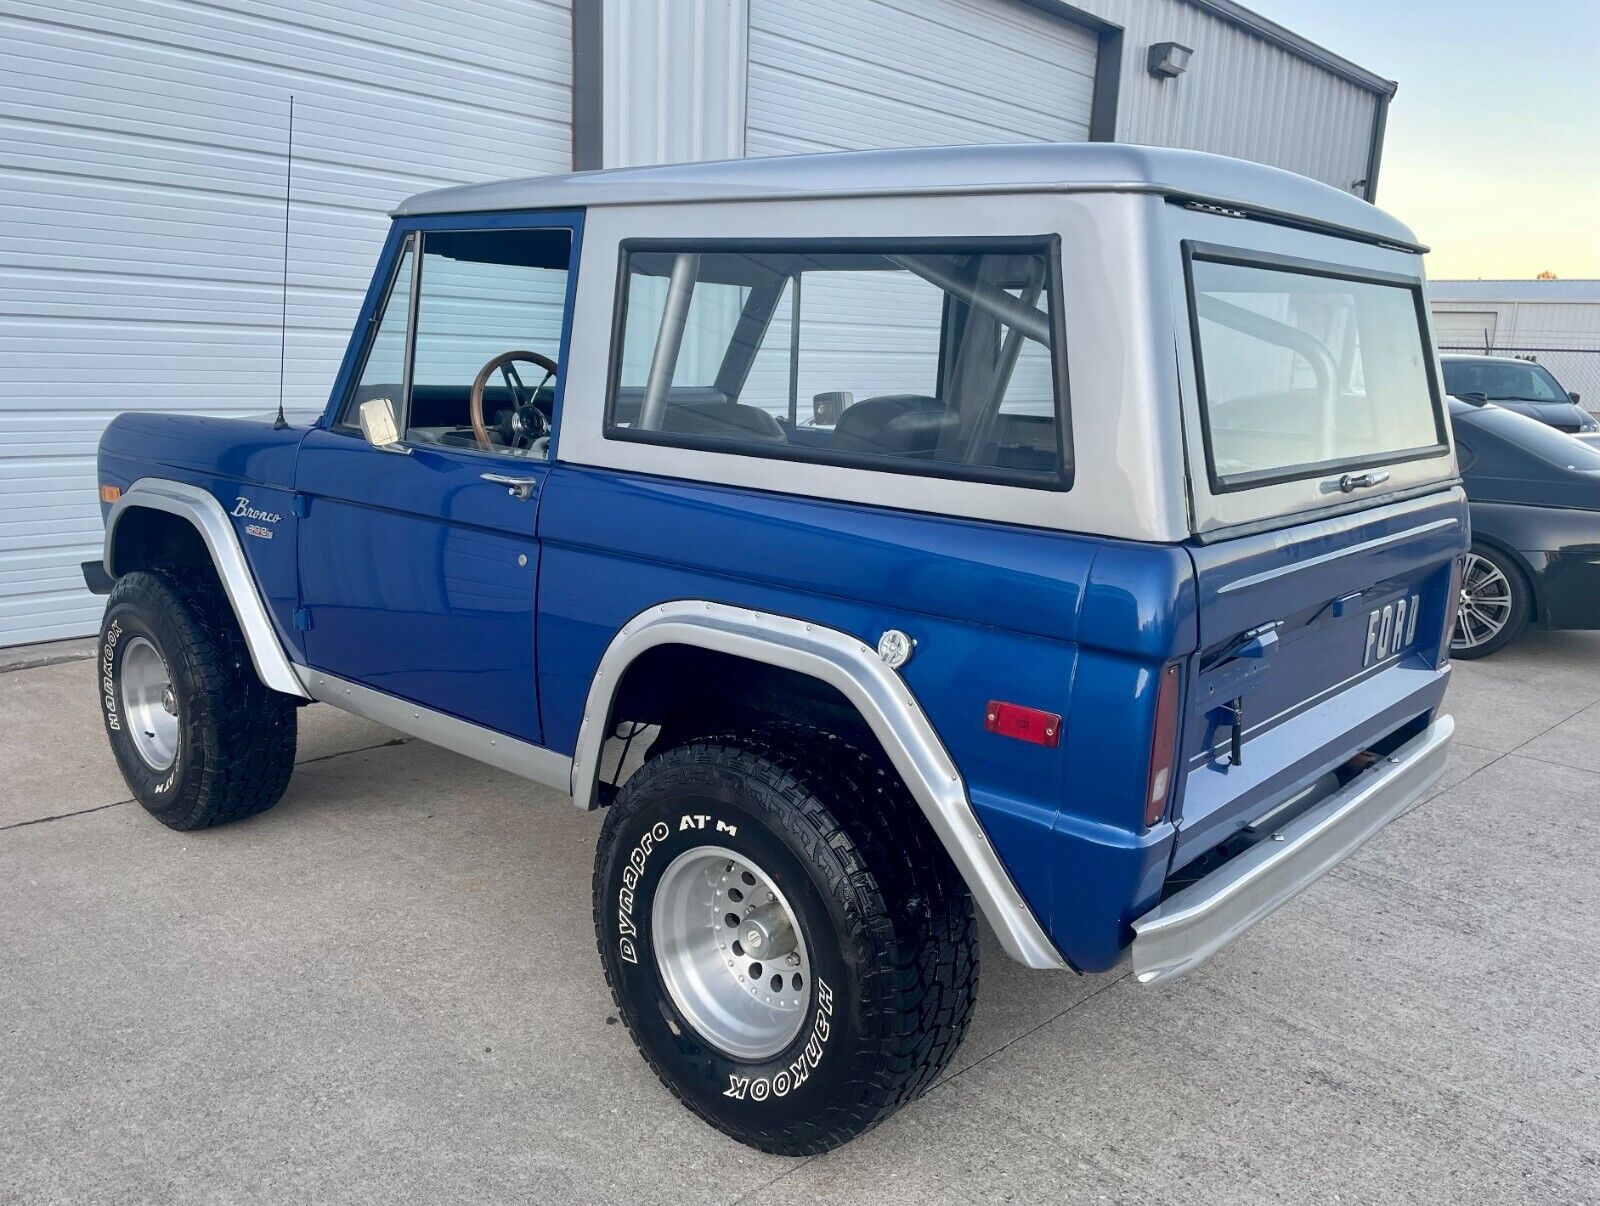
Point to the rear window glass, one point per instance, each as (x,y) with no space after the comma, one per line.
(940,361)
(1303,372)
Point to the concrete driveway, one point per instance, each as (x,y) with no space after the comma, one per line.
(386,990)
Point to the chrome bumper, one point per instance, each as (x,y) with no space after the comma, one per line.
(1189,927)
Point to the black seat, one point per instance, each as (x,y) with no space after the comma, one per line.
(895,425)
(723,420)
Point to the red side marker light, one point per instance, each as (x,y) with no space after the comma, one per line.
(1025,724)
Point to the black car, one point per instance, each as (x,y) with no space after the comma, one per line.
(1535,500)
(1519,385)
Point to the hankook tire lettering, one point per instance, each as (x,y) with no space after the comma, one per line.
(108,688)
(785,1081)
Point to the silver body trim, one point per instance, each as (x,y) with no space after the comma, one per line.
(485,745)
(222,542)
(1189,927)
(1366,546)
(853,668)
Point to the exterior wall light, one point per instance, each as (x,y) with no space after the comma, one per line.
(1167,59)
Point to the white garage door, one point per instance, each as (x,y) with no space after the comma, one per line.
(828,75)
(141,216)
(1455,330)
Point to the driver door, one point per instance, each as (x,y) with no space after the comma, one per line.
(419,561)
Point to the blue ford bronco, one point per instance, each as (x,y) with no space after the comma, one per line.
(1066,535)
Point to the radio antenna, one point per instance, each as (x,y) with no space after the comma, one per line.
(283,317)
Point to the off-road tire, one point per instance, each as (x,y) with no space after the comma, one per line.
(887,921)
(235,736)
(1520,596)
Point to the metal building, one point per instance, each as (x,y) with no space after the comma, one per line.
(143,148)
(1556,323)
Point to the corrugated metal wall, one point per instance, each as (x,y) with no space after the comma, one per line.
(1241,96)
(828,75)
(141,215)
(674,80)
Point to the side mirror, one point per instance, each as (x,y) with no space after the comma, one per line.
(1573,394)
(378,426)
(826,408)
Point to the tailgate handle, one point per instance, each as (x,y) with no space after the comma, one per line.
(1233,677)
(1352,482)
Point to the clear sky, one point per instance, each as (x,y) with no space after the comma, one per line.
(1493,149)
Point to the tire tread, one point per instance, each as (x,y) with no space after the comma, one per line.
(913,915)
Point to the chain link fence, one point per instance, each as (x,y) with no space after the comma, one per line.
(1578,369)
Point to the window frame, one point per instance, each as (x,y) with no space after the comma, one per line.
(344,421)
(1217,253)
(1048,245)
(406,237)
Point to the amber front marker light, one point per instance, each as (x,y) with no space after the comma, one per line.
(110,494)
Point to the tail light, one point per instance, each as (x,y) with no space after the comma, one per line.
(1163,746)
(1452,605)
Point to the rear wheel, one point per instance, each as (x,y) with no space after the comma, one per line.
(197,736)
(789,947)
(1496,604)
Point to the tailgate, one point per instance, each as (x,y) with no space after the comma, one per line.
(1315,642)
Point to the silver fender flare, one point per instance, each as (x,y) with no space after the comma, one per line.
(877,693)
(222,542)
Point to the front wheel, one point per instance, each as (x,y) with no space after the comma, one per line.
(1496,604)
(197,736)
(792,952)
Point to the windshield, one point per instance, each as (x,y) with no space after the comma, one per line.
(1302,372)
(1502,381)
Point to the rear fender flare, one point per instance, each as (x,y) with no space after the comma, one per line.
(222,543)
(884,703)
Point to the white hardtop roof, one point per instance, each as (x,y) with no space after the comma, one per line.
(1017,168)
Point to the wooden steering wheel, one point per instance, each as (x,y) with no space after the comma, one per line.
(503,362)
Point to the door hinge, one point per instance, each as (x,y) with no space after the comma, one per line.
(302,619)
(301,505)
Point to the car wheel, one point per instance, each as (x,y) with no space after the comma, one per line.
(197,736)
(1496,604)
(791,950)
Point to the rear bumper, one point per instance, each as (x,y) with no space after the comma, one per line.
(1189,927)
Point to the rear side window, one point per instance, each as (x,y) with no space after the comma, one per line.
(937,360)
(1304,371)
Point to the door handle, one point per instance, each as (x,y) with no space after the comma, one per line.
(520,488)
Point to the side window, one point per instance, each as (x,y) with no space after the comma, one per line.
(489,316)
(383,374)
(942,362)
(490,310)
